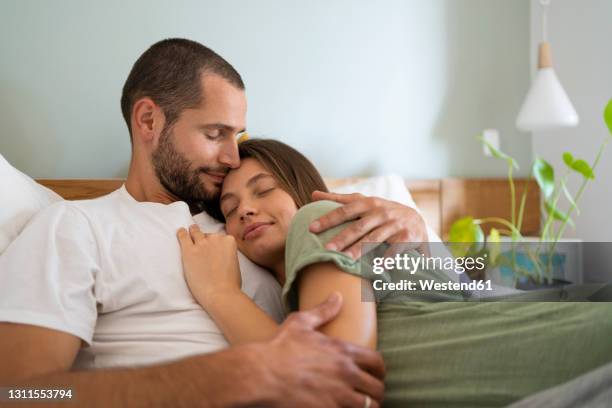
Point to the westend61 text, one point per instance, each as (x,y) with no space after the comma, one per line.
(432,285)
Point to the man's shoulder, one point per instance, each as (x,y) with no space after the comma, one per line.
(76,211)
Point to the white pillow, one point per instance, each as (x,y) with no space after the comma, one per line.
(20,199)
(391,187)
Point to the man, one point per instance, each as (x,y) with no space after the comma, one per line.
(98,283)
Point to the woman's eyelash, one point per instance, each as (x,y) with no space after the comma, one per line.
(265,191)
(230,212)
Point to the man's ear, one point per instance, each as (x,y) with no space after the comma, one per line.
(147,121)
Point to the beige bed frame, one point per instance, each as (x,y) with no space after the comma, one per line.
(442,201)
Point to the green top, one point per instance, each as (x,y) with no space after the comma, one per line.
(463,353)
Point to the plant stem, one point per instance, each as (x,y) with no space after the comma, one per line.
(519,223)
(512,194)
(515,236)
(550,218)
(579,193)
(498,220)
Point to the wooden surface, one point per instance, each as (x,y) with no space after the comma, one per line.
(442,201)
(482,198)
(82,189)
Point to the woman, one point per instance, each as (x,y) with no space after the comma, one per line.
(437,353)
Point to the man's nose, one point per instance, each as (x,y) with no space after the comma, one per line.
(229,154)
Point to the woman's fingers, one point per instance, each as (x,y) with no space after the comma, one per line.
(191,236)
(184,238)
(196,234)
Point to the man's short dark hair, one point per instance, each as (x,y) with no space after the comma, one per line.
(169,73)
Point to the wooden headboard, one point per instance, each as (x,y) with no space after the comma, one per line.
(441,201)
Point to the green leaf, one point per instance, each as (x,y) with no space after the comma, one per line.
(494,235)
(568,159)
(463,234)
(608,115)
(545,176)
(499,154)
(583,168)
(466,230)
(557,214)
(569,197)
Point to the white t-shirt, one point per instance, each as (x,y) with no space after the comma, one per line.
(109,271)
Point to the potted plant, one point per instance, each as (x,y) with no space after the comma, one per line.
(532,264)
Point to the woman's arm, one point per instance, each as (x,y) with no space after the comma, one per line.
(356,322)
(239,318)
(212,272)
(213,276)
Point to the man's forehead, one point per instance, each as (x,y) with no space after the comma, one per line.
(215,86)
(222,104)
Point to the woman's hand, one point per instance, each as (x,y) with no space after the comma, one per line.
(210,263)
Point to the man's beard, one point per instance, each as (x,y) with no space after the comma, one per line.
(176,175)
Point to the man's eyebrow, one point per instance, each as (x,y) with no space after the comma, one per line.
(221,126)
(249,183)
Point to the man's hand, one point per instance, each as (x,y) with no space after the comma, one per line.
(301,367)
(379,220)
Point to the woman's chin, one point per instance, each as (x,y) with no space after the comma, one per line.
(264,254)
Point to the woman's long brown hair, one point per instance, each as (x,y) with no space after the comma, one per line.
(293,171)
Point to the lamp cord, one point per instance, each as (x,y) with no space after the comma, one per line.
(545,4)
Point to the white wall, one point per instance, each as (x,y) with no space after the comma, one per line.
(580,34)
(361,87)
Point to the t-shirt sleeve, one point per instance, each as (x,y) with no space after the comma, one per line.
(305,248)
(47,274)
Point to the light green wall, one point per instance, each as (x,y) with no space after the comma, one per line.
(361,87)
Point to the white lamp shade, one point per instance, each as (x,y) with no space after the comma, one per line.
(547,105)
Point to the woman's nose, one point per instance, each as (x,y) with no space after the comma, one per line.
(247,212)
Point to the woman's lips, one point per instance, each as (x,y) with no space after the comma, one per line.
(254,230)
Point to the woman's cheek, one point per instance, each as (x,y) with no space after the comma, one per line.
(232,230)
(287,216)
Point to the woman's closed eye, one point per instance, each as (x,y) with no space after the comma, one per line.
(230,212)
(258,193)
(264,191)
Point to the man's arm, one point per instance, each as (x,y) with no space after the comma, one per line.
(28,351)
(298,367)
(35,357)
